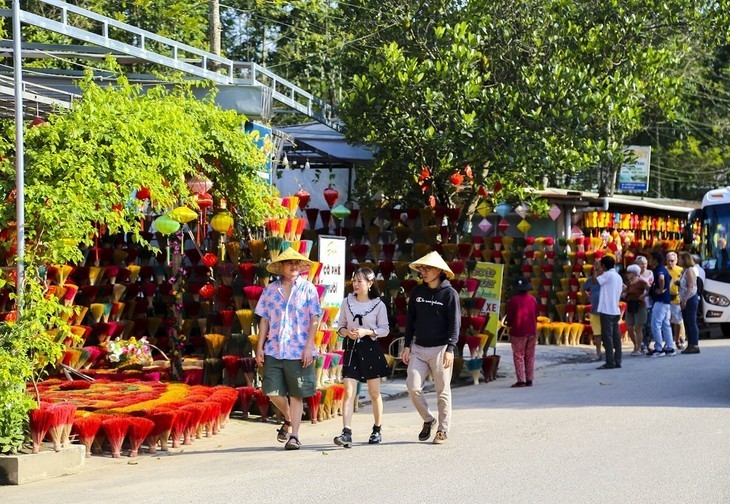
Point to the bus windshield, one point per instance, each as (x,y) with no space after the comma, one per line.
(715,226)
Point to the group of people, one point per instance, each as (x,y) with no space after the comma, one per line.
(661,295)
(290,311)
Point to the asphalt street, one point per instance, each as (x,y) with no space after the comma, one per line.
(655,430)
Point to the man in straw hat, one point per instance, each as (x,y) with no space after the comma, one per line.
(289,309)
(431,333)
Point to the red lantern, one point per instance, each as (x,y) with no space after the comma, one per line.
(207,291)
(331,196)
(143,193)
(209,259)
(304,198)
(204,200)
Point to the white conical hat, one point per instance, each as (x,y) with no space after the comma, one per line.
(434,260)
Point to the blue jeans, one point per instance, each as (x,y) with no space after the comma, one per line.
(660,327)
(689,316)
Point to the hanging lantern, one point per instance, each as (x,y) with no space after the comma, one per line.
(209,259)
(340,212)
(483,209)
(222,222)
(200,184)
(503,209)
(522,209)
(330,196)
(304,198)
(182,214)
(503,225)
(143,193)
(166,225)
(524,226)
(485,225)
(204,200)
(554,212)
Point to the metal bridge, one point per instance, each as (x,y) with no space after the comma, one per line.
(244,86)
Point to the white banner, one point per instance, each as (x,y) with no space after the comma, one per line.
(332,256)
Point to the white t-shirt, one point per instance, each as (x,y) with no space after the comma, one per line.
(611,289)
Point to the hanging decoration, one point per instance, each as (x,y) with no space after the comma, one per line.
(503,225)
(503,209)
(331,196)
(524,226)
(485,225)
(522,209)
(554,212)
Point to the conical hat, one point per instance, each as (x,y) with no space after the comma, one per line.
(288,255)
(434,260)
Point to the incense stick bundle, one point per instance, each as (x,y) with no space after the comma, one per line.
(41,420)
(139,429)
(86,427)
(245,395)
(115,429)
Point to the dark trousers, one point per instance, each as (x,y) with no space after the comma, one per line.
(611,336)
(689,317)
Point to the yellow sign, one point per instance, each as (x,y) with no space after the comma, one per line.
(490,277)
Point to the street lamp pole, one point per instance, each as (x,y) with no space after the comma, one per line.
(19,154)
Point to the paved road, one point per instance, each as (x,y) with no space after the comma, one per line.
(654,431)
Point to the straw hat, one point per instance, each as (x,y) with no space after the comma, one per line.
(288,255)
(434,260)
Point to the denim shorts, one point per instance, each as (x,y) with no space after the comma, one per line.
(284,377)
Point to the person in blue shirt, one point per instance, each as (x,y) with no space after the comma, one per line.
(661,329)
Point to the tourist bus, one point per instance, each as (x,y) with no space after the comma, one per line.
(714,219)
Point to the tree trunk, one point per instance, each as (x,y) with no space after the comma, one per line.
(214,25)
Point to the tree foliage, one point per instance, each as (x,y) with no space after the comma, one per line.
(82,170)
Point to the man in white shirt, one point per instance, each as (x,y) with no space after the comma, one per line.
(608,308)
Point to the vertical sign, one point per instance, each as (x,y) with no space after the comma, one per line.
(634,176)
(332,257)
(490,288)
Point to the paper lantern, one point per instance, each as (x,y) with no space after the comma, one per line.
(485,225)
(304,197)
(222,222)
(554,212)
(166,225)
(340,212)
(503,209)
(143,193)
(182,214)
(209,259)
(503,225)
(200,184)
(524,226)
(483,209)
(331,196)
(204,200)
(522,209)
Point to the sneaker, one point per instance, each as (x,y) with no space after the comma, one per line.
(375,437)
(528,383)
(440,438)
(691,350)
(425,433)
(344,439)
(670,352)
(655,353)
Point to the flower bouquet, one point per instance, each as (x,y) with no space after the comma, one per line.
(129,354)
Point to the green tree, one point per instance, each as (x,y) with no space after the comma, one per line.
(82,168)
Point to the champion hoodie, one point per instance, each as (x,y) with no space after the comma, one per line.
(434,316)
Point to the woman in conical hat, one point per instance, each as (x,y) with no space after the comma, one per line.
(433,260)
(432,330)
(290,312)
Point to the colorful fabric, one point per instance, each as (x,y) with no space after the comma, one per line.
(289,319)
(523,354)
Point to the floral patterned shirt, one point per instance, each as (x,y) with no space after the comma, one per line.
(289,320)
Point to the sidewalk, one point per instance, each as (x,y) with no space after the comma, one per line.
(545,356)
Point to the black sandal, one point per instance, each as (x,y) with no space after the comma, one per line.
(293,443)
(282,434)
